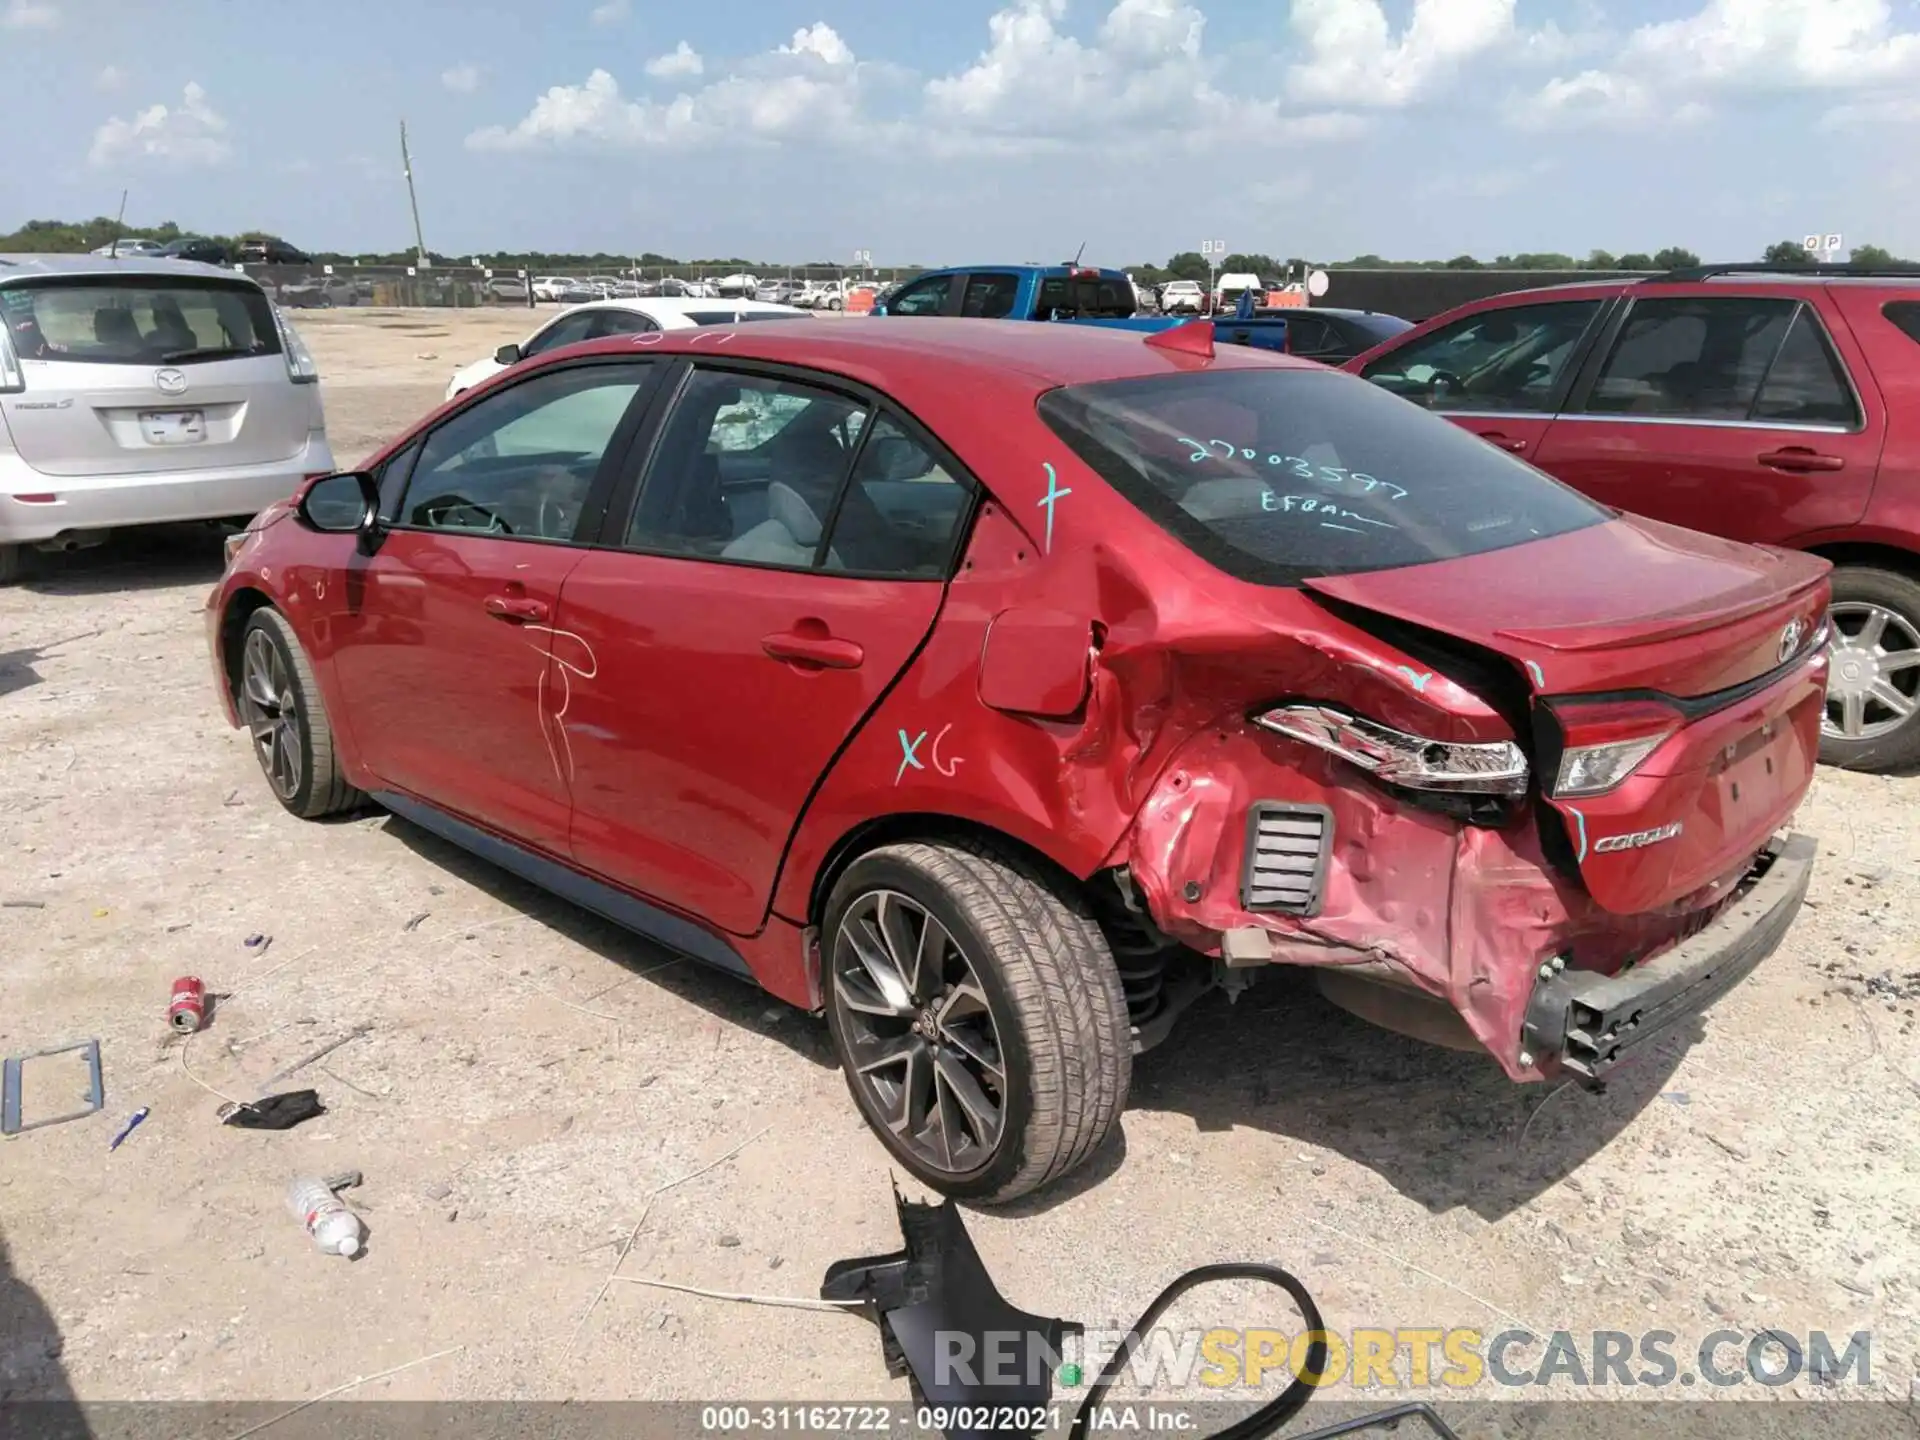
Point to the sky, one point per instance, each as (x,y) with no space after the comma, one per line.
(956,132)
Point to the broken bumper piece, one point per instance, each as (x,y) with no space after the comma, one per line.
(1592,1023)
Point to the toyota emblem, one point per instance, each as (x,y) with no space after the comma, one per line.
(1790,638)
(170,382)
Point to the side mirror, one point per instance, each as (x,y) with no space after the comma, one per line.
(340,504)
(507,355)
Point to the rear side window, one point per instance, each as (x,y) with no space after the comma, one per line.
(1692,358)
(990,297)
(1806,385)
(148,320)
(1275,476)
(1506,360)
(1906,315)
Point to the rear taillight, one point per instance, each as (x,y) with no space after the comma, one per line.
(1396,758)
(300,367)
(1606,741)
(12,378)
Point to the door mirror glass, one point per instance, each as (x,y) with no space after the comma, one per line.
(508,354)
(340,504)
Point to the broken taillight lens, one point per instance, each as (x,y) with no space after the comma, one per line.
(1397,758)
(1606,742)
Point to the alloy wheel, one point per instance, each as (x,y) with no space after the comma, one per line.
(922,1041)
(272,713)
(1873,687)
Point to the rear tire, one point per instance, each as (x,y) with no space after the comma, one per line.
(1038,992)
(1876,660)
(280,704)
(13,563)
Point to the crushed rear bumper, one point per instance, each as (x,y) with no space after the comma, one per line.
(1591,1023)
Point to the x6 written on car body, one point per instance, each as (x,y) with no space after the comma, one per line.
(1768,407)
(758,641)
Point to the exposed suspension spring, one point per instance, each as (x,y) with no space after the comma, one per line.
(1140,952)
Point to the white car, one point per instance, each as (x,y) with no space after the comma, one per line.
(551,288)
(600,318)
(1177,296)
(131,248)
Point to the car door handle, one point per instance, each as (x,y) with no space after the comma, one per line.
(1505,442)
(1800,459)
(822,650)
(515,608)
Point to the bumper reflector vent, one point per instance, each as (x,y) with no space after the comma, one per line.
(1286,864)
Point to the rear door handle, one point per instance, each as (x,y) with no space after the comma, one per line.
(1505,442)
(1800,459)
(821,650)
(515,608)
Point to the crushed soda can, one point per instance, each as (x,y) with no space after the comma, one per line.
(187,1010)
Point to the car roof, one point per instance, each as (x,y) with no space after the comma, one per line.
(18,267)
(922,356)
(675,307)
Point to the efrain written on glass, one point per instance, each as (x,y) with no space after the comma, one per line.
(1278,476)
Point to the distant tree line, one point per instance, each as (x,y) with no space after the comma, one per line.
(80,236)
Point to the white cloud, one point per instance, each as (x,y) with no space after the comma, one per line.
(810,88)
(819,40)
(1663,70)
(683,59)
(111,77)
(1354,60)
(461,79)
(192,134)
(1873,114)
(29,15)
(611,13)
(1144,75)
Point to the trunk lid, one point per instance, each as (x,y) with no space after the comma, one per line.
(1706,653)
(83,419)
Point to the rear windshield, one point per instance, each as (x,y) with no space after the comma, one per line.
(1276,476)
(742,317)
(137,320)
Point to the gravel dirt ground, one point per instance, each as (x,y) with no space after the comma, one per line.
(530,1077)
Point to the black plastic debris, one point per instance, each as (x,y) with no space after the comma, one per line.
(274,1112)
(943,1323)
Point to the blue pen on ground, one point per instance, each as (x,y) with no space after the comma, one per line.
(133,1122)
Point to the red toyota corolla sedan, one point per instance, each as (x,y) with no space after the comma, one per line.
(998,688)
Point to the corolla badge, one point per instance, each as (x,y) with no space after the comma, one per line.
(1790,637)
(1636,840)
(170,382)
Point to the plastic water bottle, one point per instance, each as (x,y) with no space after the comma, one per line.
(335,1229)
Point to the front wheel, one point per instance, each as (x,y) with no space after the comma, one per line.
(281,707)
(1873,689)
(978,1015)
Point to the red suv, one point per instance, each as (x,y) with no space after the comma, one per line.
(999,688)
(1781,408)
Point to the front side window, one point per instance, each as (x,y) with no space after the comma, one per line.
(520,462)
(157,320)
(1692,357)
(1277,475)
(748,468)
(1510,359)
(990,297)
(922,297)
(567,330)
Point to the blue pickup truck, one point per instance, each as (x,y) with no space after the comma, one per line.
(1075,294)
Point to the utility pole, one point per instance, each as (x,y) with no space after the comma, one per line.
(406,164)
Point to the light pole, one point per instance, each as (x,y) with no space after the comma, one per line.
(1216,253)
